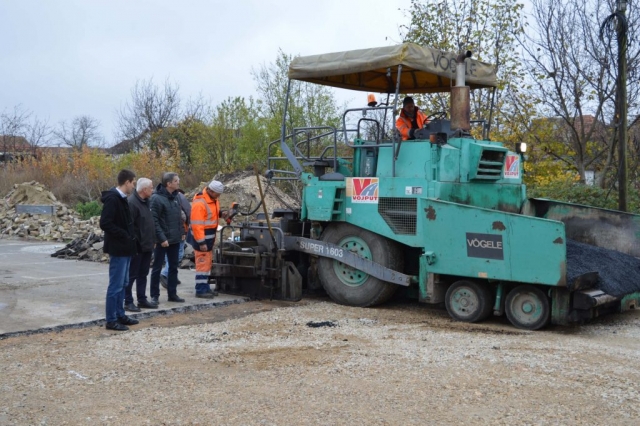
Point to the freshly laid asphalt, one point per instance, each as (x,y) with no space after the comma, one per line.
(42,293)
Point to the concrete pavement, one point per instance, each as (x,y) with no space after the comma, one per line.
(40,293)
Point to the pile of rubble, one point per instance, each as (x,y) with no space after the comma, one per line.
(84,248)
(63,225)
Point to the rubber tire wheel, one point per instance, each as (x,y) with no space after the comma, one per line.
(542,299)
(482,292)
(371,292)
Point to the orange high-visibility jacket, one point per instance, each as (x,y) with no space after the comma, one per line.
(403,123)
(204,218)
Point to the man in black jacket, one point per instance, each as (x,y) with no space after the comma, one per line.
(145,235)
(167,220)
(120,244)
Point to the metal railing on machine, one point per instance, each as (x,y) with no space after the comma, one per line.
(303,150)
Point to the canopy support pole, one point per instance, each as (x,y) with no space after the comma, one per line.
(396,134)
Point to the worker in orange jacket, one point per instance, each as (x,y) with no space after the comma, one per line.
(205,212)
(410,119)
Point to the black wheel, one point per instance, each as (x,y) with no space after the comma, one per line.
(527,307)
(349,286)
(469,301)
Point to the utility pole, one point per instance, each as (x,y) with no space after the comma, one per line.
(623,178)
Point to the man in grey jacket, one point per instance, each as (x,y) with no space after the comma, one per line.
(169,232)
(145,235)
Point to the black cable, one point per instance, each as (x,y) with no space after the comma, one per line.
(249,213)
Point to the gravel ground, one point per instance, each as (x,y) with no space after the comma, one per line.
(261,363)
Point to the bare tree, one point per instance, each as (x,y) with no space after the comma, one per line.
(198,109)
(572,74)
(150,109)
(13,126)
(82,131)
(38,133)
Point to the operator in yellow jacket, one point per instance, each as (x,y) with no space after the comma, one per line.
(410,119)
(205,212)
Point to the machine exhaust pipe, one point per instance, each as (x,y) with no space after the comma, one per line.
(460,97)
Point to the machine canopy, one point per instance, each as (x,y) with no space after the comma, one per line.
(424,70)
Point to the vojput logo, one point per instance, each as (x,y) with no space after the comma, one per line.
(512,167)
(364,190)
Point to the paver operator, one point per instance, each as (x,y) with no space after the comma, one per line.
(411,118)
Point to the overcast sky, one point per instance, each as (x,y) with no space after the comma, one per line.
(66,58)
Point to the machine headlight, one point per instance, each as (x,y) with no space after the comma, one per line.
(521,147)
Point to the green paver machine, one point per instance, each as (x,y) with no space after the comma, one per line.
(444,217)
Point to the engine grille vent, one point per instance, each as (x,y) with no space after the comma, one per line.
(490,166)
(400,214)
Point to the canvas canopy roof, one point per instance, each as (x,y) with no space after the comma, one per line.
(424,70)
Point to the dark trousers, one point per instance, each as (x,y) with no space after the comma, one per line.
(138,271)
(172,278)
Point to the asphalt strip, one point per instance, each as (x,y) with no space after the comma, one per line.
(142,315)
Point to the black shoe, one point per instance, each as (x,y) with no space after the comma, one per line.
(213,292)
(155,301)
(176,299)
(147,305)
(205,295)
(125,320)
(163,281)
(116,326)
(131,307)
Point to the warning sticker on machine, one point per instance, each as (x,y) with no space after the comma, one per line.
(512,167)
(412,190)
(485,246)
(363,190)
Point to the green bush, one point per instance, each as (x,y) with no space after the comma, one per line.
(89,210)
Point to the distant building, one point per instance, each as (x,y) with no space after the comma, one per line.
(124,147)
(15,148)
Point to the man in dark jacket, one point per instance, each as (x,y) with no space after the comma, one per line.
(186,215)
(120,243)
(167,220)
(145,234)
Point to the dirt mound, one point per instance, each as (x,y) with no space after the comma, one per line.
(242,187)
(30,193)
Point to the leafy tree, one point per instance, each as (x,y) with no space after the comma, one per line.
(185,135)
(252,141)
(488,28)
(309,104)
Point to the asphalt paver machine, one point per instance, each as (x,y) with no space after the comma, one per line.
(443,218)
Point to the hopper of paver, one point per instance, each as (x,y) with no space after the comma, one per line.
(603,259)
